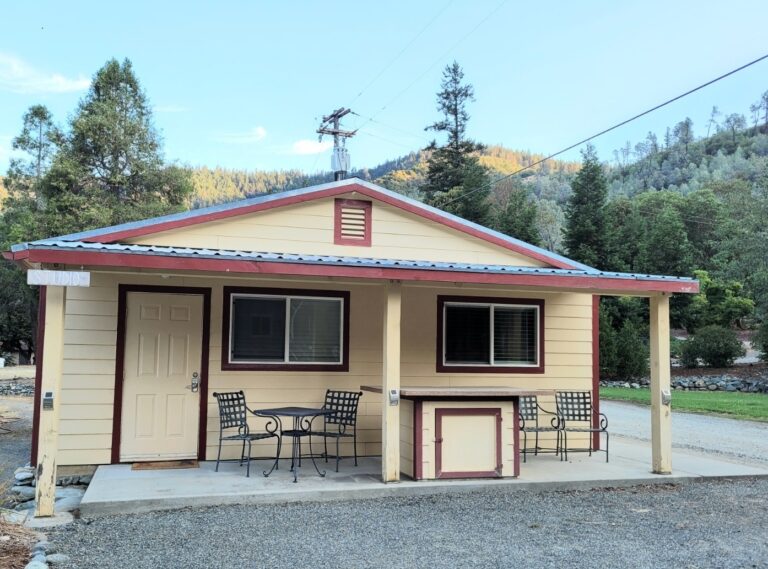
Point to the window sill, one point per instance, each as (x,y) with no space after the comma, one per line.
(447,368)
(226,366)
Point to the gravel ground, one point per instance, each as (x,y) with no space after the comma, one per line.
(705,525)
(744,440)
(14,446)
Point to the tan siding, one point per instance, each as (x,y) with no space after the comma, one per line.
(308,228)
(88,384)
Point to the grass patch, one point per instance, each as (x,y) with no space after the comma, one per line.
(753,406)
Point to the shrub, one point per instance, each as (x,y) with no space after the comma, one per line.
(676,346)
(608,359)
(631,352)
(760,341)
(714,345)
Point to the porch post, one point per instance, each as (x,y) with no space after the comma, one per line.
(53,356)
(390,415)
(661,412)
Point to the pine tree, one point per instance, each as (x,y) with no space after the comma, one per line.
(518,216)
(456,181)
(585,226)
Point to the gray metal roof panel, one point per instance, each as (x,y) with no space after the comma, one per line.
(341,260)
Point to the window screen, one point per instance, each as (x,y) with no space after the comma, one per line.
(258,329)
(467,334)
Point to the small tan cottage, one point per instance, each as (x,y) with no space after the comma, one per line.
(286,295)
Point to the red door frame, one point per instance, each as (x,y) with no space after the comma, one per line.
(466,411)
(122,306)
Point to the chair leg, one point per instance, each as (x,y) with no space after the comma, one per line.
(524,450)
(279,450)
(338,458)
(218,457)
(354,443)
(325,446)
(248,464)
(242,453)
(606,446)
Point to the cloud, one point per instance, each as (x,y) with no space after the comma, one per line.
(252,136)
(306,146)
(170,109)
(18,76)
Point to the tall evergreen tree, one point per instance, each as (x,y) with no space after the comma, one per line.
(456,181)
(585,237)
(518,216)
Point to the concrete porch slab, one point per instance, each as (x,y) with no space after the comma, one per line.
(116,489)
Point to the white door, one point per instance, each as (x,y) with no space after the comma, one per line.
(163,352)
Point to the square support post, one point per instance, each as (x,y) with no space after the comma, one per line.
(53,358)
(390,414)
(661,411)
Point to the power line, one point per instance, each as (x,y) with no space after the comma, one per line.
(400,53)
(609,129)
(391,127)
(436,61)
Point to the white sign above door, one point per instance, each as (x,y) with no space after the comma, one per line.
(58,278)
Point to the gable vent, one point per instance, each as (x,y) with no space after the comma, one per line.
(352,224)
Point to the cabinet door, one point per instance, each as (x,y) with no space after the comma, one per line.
(468,443)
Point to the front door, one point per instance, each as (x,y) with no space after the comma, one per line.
(163,353)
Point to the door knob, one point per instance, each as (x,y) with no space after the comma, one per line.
(195,385)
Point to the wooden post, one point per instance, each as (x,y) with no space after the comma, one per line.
(661,411)
(53,356)
(390,415)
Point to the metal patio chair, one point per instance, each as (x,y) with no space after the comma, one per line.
(530,413)
(336,425)
(233,414)
(577,414)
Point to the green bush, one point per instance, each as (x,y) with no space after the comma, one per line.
(714,345)
(676,346)
(760,341)
(631,352)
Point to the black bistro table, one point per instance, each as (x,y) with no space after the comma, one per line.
(302,426)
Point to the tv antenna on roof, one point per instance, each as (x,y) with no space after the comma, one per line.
(332,125)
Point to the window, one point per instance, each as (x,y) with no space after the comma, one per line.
(279,329)
(352,222)
(478,334)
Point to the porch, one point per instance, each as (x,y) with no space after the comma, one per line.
(118,489)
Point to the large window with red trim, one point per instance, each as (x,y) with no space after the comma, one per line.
(496,335)
(285,329)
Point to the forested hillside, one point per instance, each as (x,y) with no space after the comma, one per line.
(403,174)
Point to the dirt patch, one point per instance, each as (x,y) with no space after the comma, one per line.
(15,544)
(17,372)
(15,438)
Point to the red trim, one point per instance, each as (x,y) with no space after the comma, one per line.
(449,368)
(605,284)
(39,345)
(225,347)
(338,238)
(156,227)
(596,368)
(418,440)
(122,305)
(466,411)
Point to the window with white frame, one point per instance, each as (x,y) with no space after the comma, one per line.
(492,334)
(285,329)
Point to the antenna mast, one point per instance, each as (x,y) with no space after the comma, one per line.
(331,125)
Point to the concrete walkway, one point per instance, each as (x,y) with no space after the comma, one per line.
(117,489)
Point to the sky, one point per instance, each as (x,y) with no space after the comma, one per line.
(244,84)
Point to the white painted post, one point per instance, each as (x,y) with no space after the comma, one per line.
(390,415)
(661,411)
(53,360)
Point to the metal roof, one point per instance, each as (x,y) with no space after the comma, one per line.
(191,214)
(189,252)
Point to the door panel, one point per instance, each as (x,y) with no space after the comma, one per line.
(163,348)
(468,442)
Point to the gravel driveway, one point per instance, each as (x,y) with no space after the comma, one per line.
(744,440)
(14,446)
(705,525)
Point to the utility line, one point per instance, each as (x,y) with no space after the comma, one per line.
(400,53)
(609,129)
(435,62)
